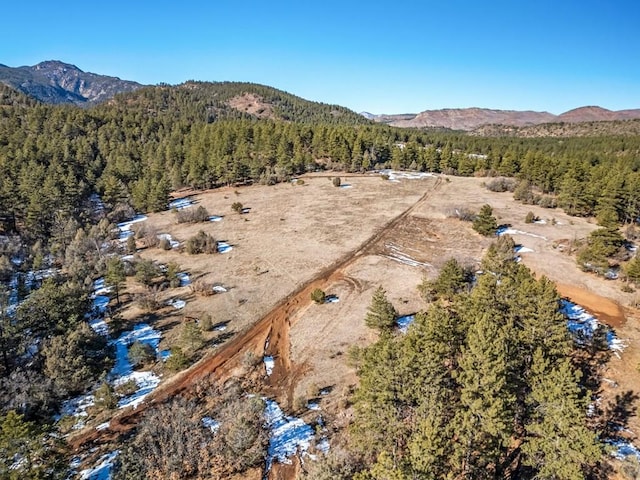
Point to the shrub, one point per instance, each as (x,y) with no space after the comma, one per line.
(336,181)
(462,213)
(201,243)
(141,353)
(148,301)
(105,397)
(206,323)
(530,218)
(318,296)
(192,215)
(164,244)
(501,184)
(177,361)
(237,207)
(127,388)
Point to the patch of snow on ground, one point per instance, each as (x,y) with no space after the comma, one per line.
(177,303)
(346,185)
(77,407)
(623,448)
(210,423)
(184,279)
(583,325)
(397,255)
(269,364)
(224,247)
(169,238)
(289,435)
(513,231)
(100,303)
(404,322)
(215,218)
(396,175)
(313,406)
(103,426)
(180,203)
(323,445)
(123,372)
(521,249)
(331,299)
(146,383)
(100,288)
(102,471)
(219,289)
(125,227)
(99,326)
(164,355)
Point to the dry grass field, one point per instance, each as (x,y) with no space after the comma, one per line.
(348,241)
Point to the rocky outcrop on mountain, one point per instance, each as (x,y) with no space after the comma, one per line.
(58,82)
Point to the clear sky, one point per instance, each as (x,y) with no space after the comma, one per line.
(377,56)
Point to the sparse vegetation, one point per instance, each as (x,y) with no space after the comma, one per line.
(201,243)
(530,217)
(192,215)
(336,181)
(318,296)
(237,207)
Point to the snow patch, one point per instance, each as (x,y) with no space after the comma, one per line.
(269,364)
(215,218)
(124,228)
(397,255)
(184,279)
(180,203)
(169,238)
(102,471)
(224,247)
(511,231)
(219,289)
(210,423)
(623,449)
(397,175)
(404,322)
(346,185)
(331,299)
(177,303)
(522,249)
(146,383)
(289,435)
(583,325)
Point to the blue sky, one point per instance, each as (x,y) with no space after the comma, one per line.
(382,57)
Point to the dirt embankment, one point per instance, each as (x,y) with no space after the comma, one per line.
(608,311)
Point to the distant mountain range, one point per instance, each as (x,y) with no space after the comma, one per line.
(57,82)
(473,118)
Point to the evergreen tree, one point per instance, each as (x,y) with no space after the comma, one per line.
(485,223)
(115,275)
(558,444)
(381,314)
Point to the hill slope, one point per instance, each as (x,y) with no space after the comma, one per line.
(57,82)
(210,101)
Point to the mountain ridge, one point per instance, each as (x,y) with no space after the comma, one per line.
(56,82)
(469,119)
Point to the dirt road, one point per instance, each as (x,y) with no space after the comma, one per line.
(274,327)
